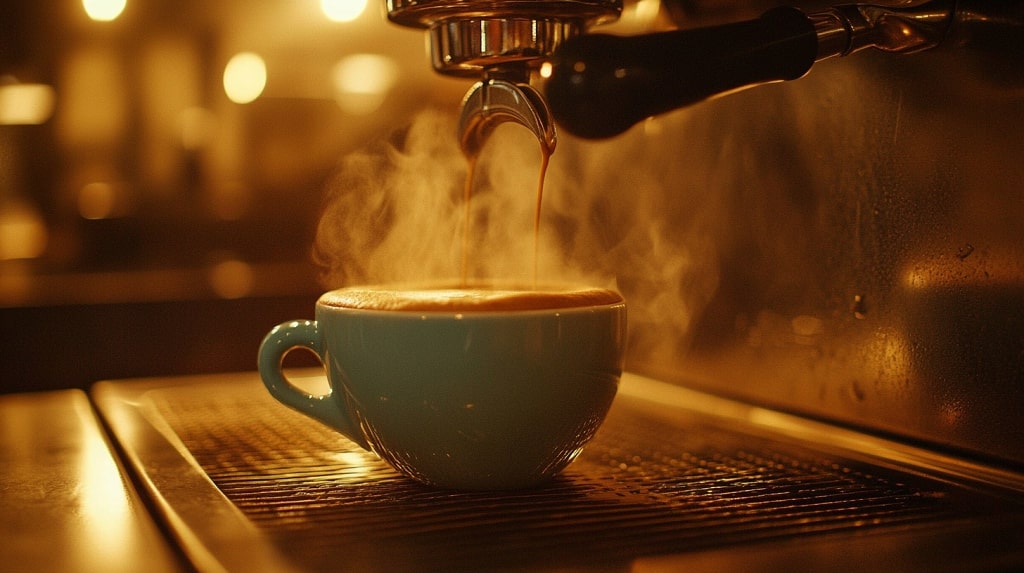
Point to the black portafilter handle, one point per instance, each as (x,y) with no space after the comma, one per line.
(601,85)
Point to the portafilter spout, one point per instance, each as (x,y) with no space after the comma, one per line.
(502,43)
(601,85)
(494,101)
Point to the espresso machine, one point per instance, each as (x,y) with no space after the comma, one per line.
(825,358)
(853,271)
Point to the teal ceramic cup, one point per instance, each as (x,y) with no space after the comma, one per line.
(477,388)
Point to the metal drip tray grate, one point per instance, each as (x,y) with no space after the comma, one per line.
(655,481)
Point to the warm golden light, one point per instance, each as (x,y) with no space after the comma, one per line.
(99,201)
(229,201)
(94,98)
(231,278)
(358,465)
(362,81)
(245,76)
(197,126)
(25,104)
(646,11)
(104,10)
(23,233)
(342,10)
(103,506)
(807,329)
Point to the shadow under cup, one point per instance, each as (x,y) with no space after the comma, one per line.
(461,388)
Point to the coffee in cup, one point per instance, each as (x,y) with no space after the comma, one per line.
(486,387)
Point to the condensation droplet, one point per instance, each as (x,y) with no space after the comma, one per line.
(964,251)
(859,307)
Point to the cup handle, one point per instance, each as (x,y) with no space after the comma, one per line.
(282,339)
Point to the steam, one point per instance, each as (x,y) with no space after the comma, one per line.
(392,211)
(622,214)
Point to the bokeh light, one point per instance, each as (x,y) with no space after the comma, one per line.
(362,81)
(342,10)
(26,104)
(245,76)
(104,10)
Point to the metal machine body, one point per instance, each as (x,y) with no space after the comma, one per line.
(847,246)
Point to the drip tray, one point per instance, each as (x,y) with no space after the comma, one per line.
(673,479)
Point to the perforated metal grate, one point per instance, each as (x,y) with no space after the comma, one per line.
(644,486)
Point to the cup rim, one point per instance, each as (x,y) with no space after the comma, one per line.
(600,294)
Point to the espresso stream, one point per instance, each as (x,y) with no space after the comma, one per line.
(468,196)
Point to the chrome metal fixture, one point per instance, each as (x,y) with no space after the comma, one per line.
(493,101)
(502,42)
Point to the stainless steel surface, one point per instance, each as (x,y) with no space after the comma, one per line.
(494,40)
(65,503)
(866,251)
(673,477)
(210,531)
(471,47)
(914,26)
(847,245)
(899,29)
(470,36)
(495,101)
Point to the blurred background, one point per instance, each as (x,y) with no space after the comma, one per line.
(161,171)
(163,166)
